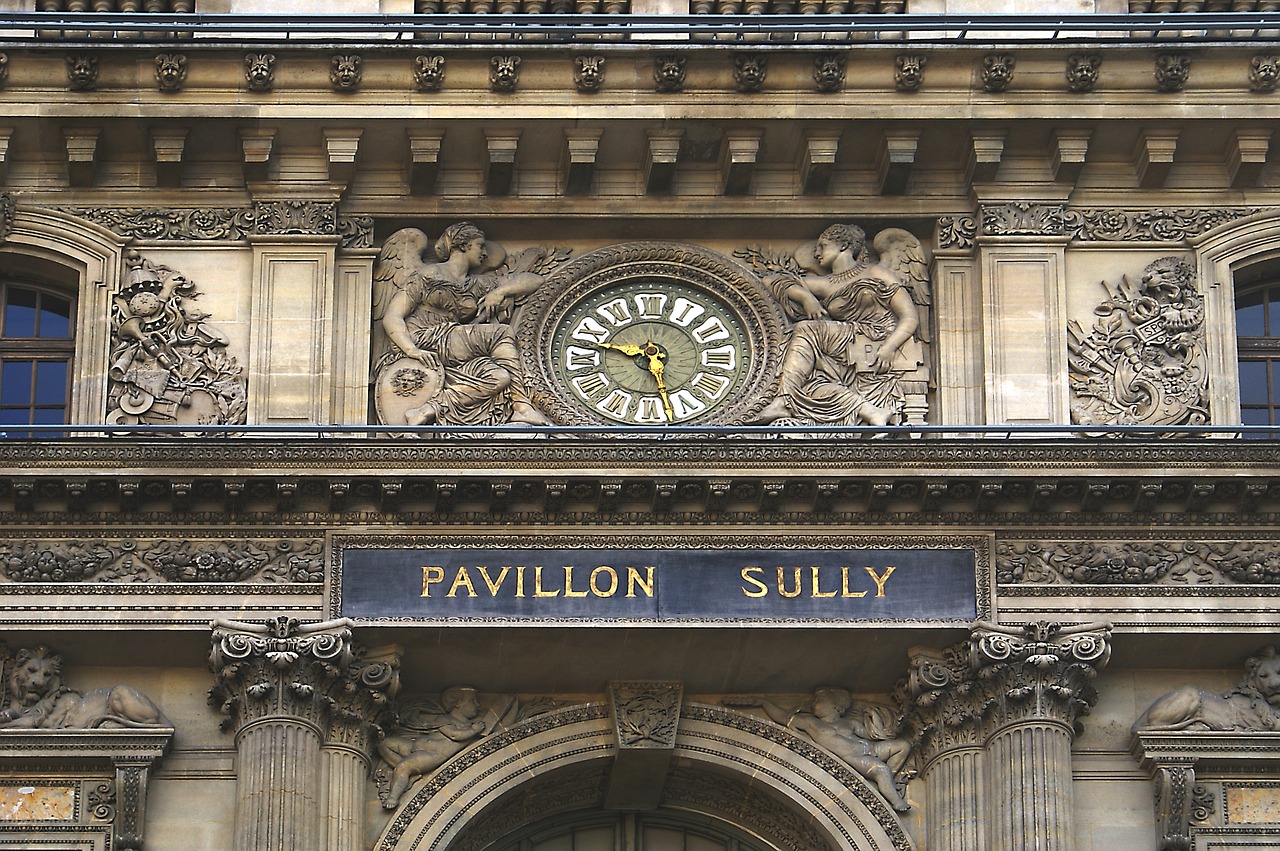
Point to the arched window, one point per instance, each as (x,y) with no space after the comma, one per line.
(37,342)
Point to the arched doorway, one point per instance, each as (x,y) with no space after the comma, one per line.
(746,784)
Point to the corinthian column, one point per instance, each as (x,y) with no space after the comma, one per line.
(361,705)
(272,681)
(1037,683)
(946,720)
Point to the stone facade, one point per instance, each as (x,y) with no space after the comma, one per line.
(421,382)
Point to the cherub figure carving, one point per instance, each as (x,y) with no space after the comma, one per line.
(858,328)
(443,349)
(430,732)
(1253,705)
(37,699)
(864,736)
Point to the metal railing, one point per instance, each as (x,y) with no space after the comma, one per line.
(1185,27)
(331,432)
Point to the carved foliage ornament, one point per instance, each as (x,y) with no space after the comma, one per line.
(1138,562)
(168,364)
(283,667)
(1143,362)
(162,560)
(645,714)
(1023,219)
(956,232)
(229,223)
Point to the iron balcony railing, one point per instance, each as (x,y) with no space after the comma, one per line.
(1190,28)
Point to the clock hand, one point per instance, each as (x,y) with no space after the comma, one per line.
(626,348)
(656,367)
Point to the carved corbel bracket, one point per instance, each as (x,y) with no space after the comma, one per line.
(131,752)
(1173,759)
(645,718)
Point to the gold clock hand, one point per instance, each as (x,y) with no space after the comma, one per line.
(626,348)
(656,367)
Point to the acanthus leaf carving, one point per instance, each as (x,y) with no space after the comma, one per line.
(1103,562)
(646,714)
(1171,225)
(1023,218)
(295,216)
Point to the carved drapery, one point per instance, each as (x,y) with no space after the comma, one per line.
(994,719)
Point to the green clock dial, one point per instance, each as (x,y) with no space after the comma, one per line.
(650,352)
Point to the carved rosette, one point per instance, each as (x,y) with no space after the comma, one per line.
(279,669)
(645,714)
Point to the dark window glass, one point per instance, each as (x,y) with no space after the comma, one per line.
(36,348)
(1250,315)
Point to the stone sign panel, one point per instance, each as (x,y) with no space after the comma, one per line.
(660,585)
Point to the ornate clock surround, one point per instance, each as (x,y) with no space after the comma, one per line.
(689,266)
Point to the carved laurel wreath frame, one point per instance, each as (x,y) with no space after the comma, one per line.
(670,261)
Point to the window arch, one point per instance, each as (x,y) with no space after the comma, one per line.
(659,831)
(37,345)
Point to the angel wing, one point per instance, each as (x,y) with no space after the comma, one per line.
(400,257)
(902,253)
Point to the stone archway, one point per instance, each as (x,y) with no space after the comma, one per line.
(753,756)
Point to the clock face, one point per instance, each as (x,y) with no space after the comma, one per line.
(651,352)
(650,334)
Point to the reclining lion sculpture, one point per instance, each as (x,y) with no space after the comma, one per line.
(1253,705)
(37,699)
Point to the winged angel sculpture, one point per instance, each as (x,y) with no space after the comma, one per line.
(443,349)
(856,351)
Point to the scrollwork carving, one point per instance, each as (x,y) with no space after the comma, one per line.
(283,217)
(1086,225)
(1023,218)
(1143,362)
(956,232)
(169,223)
(1138,562)
(282,667)
(168,364)
(8,209)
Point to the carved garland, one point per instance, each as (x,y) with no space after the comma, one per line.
(1183,563)
(1086,224)
(229,223)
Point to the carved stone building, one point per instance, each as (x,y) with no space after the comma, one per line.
(642,425)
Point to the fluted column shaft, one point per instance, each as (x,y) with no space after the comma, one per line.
(1029,786)
(277,808)
(342,798)
(954,793)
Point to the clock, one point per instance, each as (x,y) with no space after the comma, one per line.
(651,334)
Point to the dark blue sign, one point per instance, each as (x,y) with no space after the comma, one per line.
(659,585)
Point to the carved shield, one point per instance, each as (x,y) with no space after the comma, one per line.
(402,385)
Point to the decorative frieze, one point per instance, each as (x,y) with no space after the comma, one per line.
(955,233)
(161,560)
(292,216)
(1084,224)
(1023,218)
(163,224)
(1185,563)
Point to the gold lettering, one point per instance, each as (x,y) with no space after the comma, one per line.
(463,579)
(794,592)
(816,592)
(881,580)
(568,583)
(494,584)
(431,573)
(844,585)
(520,580)
(634,581)
(760,590)
(613,581)
(537,585)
